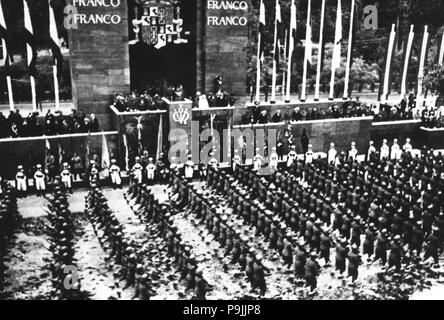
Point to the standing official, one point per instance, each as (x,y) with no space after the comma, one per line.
(150,170)
(114,169)
(20,181)
(66,176)
(332,153)
(137,170)
(189,169)
(39,180)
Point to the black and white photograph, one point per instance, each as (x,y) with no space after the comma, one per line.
(236,151)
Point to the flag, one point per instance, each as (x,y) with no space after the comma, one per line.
(55,40)
(7,58)
(159,139)
(60,155)
(336,59)
(261,29)
(47,153)
(291,41)
(387,67)
(407,53)
(293,26)
(30,40)
(88,152)
(308,42)
(125,143)
(105,156)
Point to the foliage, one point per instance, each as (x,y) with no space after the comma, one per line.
(432,77)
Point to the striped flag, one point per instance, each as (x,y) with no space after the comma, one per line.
(55,40)
(261,28)
(336,59)
(260,48)
(308,34)
(278,21)
(6,58)
(30,40)
(291,41)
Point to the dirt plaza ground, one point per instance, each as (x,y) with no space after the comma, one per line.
(29,257)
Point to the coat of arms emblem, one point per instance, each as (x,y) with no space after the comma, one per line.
(160,24)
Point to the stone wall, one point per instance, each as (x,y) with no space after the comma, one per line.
(225,49)
(99,57)
(396,129)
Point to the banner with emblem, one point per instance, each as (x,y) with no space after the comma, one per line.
(159,25)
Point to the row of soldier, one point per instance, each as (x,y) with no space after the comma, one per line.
(61,231)
(234,244)
(40,177)
(125,253)
(8,222)
(350,200)
(160,218)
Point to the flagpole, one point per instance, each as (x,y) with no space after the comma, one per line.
(273,77)
(293,25)
(422,62)
(56,86)
(283,74)
(321,39)
(34,99)
(336,57)
(10,96)
(307,40)
(406,62)
(350,39)
(387,65)
(258,69)
(441,52)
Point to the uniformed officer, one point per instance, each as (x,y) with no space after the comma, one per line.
(150,171)
(385,150)
(309,155)
(189,168)
(21,181)
(395,152)
(66,176)
(353,152)
(312,270)
(273,159)
(332,153)
(116,180)
(137,170)
(371,150)
(292,156)
(236,160)
(258,160)
(407,147)
(39,179)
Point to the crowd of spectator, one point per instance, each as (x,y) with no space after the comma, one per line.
(211,100)
(132,102)
(348,109)
(15,125)
(432,117)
